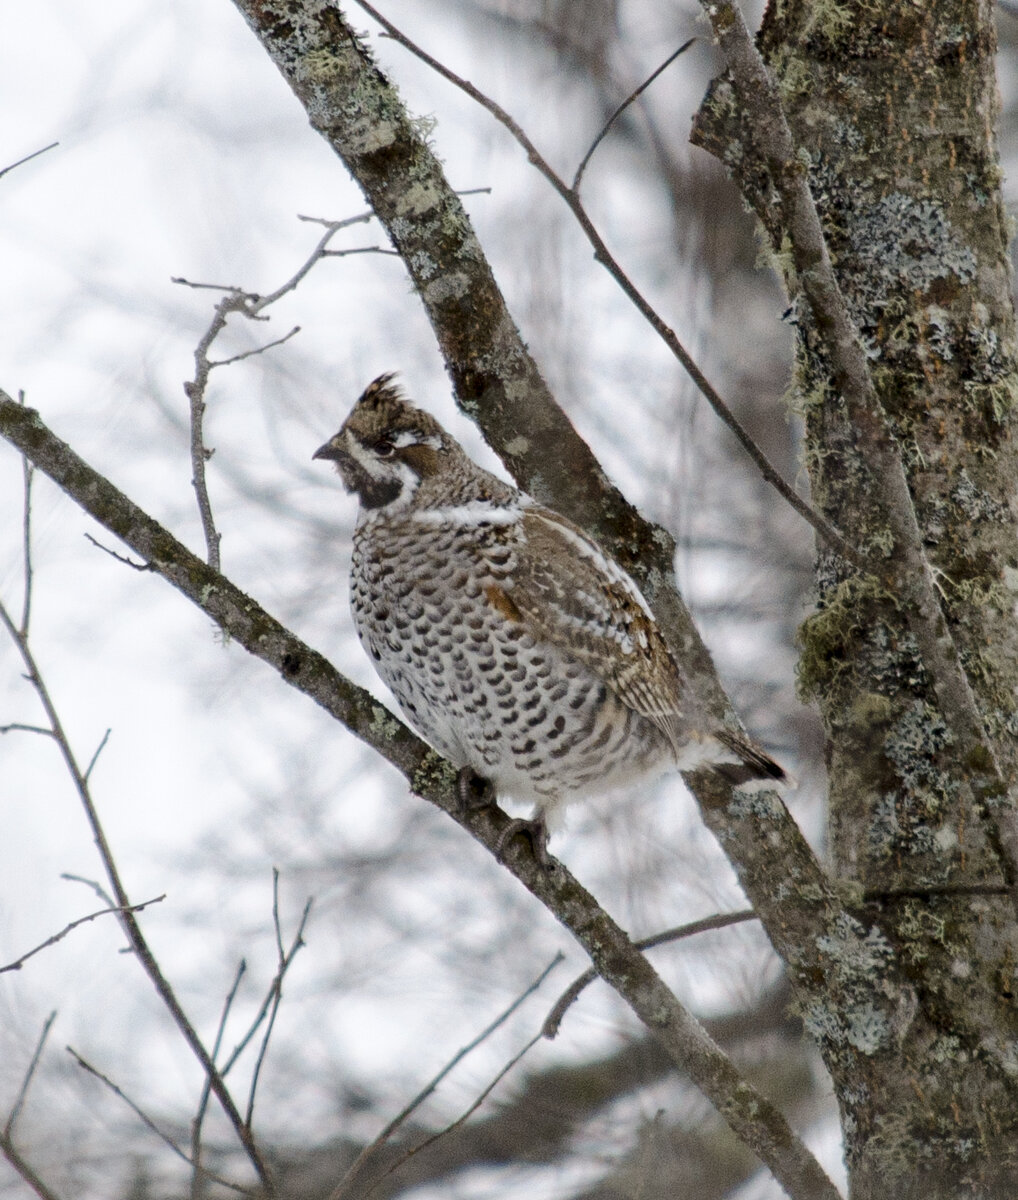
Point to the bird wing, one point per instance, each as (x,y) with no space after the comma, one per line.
(568,592)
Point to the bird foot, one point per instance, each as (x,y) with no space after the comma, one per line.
(537,833)
(473,791)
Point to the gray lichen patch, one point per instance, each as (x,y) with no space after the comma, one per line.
(900,245)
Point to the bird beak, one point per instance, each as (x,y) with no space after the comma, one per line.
(330,450)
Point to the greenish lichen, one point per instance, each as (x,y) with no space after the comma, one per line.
(827,638)
(829,20)
(383,725)
(434,775)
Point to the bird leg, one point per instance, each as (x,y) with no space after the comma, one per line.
(535,830)
(473,791)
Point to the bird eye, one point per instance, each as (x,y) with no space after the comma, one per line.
(384,448)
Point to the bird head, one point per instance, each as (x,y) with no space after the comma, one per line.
(386,447)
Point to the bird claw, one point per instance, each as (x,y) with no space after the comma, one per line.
(473,791)
(536,831)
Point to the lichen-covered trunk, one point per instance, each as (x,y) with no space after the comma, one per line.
(892,104)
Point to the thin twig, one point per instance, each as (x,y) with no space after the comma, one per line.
(603,255)
(121,901)
(20,727)
(250,305)
(27,470)
(553,1020)
(331,229)
(329,223)
(461,1119)
(578,177)
(194,389)
(121,558)
(94,884)
(27,158)
(26,1082)
(360,250)
(149,1124)
(196,1124)
(342,1188)
(27,1173)
(225,362)
(285,958)
(95,757)
(18,963)
(245,1041)
(213,287)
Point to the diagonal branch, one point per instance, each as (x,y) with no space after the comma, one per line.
(498,384)
(342,1188)
(52,940)
(604,256)
(754,1119)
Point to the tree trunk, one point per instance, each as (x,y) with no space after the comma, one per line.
(892,105)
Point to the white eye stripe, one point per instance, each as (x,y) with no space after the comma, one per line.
(410,437)
(365,460)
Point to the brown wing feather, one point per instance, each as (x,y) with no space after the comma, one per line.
(570,594)
(566,591)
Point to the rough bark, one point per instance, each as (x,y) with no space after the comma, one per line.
(892,106)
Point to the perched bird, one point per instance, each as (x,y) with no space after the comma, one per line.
(514,644)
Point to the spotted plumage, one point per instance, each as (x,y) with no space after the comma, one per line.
(516,646)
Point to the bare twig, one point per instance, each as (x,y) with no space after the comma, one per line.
(553,1020)
(603,255)
(194,389)
(26,1082)
(18,963)
(225,362)
(275,995)
(94,884)
(149,1124)
(199,1117)
(232,288)
(295,945)
(123,904)
(20,727)
(461,1119)
(360,250)
(121,558)
(27,158)
(342,1188)
(578,177)
(95,757)
(331,229)
(909,570)
(250,305)
(24,1169)
(27,470)
(271,1000)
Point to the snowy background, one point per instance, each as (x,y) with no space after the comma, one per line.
(182,153)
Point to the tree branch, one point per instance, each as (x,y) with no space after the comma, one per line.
(760,1125)
(497,383)
(604,256)
(907,569)
(18,963)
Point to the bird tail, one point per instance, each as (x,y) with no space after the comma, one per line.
(749,764)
